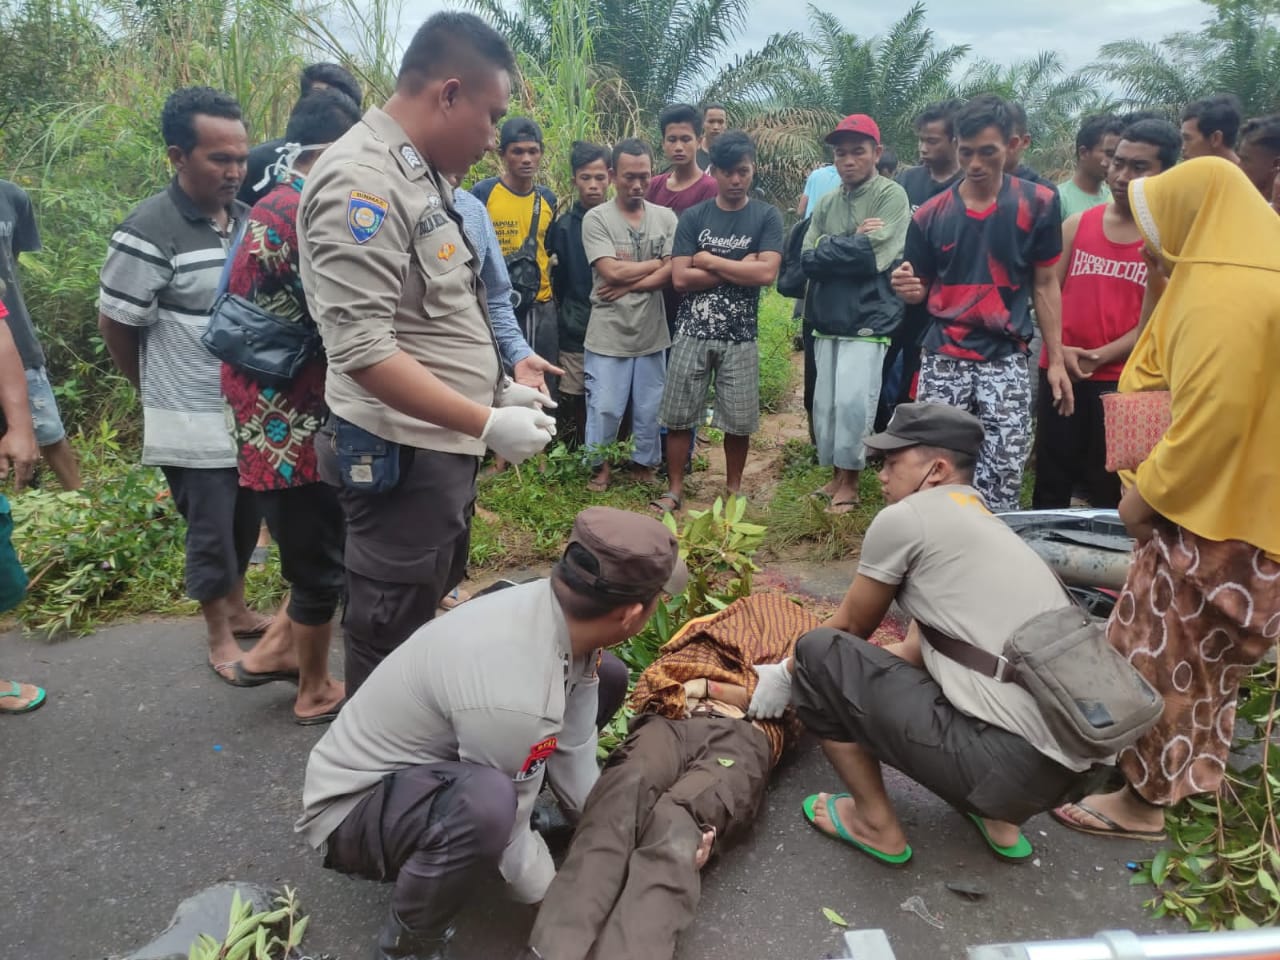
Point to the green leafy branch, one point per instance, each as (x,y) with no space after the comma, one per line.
(269,935)
(717,546)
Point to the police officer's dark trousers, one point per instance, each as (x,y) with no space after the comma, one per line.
(405,549)
(433,831)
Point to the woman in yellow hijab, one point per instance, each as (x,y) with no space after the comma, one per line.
(1202,601)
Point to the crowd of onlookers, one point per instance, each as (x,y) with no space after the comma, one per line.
(327,332)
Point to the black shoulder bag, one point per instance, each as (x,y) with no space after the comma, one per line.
(260,344)
(1092,699)
(522,266)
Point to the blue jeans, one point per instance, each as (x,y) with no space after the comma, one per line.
(610,383)
(44,409)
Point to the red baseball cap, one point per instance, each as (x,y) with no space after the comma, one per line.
(858,123)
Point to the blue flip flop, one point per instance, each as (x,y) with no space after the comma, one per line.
(888,859)
(15,690)
(1019,852)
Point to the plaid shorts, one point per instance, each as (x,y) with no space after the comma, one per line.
(690,368)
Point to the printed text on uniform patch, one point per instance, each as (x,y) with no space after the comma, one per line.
(537,759)
(366,212)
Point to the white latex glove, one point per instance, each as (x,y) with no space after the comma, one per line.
(514,394)
(517,433)
(773,691)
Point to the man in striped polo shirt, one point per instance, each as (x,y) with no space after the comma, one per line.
(158,285)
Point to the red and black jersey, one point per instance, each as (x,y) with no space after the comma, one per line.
(980,267)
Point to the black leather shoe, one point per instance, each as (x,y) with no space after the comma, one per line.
(397,942)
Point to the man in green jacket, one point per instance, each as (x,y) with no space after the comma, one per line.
(855,238)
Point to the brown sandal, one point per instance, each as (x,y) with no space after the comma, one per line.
(657,505)
(1109,829)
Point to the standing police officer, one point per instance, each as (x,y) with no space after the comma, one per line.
(415,387)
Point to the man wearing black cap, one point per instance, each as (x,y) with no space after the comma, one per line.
(522,212)
(954,568)
(430,772)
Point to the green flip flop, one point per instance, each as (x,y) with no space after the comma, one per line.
(15,690)
(889,859)
(1020,852)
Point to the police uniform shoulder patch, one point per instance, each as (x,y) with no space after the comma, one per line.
(366,212)
(411,156)
(536,760)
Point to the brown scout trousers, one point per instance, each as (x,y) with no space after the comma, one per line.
(629,885)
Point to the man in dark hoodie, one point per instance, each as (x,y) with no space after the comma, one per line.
(571,282)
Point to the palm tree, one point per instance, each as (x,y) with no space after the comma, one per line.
(664,51)
(1054,99)
(1238,51)
(890,77)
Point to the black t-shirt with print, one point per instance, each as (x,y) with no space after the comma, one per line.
(727,311)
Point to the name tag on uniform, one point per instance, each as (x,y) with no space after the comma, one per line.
(432,222)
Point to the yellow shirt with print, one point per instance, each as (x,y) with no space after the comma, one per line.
(512,214)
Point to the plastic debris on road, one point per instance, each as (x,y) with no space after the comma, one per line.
(916,905)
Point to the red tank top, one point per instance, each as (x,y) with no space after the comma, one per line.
(1102,298)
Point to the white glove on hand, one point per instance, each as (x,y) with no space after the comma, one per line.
(513,394)
(773,691)
(517,433)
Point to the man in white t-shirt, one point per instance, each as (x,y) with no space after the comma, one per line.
(628,244)
(980,744)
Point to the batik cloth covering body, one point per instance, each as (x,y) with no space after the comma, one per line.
(722,648)
(630,884)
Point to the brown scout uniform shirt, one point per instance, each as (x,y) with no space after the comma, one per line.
(386,266)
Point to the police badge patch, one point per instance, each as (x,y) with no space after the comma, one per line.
(366,213)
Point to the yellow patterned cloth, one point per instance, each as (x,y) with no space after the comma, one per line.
(722,648)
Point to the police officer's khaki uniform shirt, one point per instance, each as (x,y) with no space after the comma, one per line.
(387,266)
(493,683)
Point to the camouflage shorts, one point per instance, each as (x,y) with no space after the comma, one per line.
(997,392)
